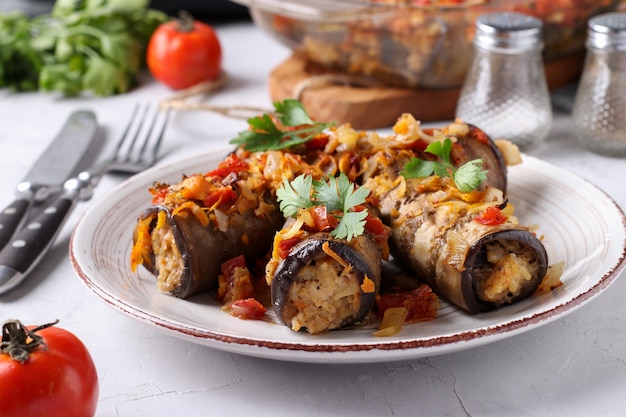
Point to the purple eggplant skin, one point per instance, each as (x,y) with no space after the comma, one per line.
(204,249)
(365,262)
(476,257)
(476,144)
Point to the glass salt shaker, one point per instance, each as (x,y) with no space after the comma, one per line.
(505,91)
(599,111)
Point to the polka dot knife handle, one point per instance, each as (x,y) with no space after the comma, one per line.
(22,249)
(30,244)
(12,217)
(56,163)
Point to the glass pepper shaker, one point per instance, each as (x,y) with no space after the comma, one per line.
(599,112)
(505,91)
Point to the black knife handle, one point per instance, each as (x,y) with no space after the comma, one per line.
(11,218)
(34,239)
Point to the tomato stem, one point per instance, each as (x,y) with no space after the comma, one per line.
(185,22)
(18,341)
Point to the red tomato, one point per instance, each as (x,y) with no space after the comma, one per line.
(56,376)
(492,216)
(229,266)
(375,226)
(421,303)
(184,52)
(231,164)
(323,220)
(284,247)
(247,309)
(222,196)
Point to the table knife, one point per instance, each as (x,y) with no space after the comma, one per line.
(47,175)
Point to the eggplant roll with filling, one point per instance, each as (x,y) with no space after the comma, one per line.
(206,219)
(469,247)
(325,283)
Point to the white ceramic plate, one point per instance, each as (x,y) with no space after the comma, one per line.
(581,226)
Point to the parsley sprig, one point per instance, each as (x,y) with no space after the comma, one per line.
(339,195)
(467,177)
(264,135)
(79,46)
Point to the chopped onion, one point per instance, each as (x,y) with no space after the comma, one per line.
(392,322)
(222,220)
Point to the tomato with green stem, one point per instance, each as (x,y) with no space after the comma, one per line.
(184,52)
(45,371)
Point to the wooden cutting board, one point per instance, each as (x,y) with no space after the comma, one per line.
(369,107)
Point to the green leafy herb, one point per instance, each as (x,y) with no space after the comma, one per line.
(295,195)
(339,195)
(96,46)
(264,135)
(467,177)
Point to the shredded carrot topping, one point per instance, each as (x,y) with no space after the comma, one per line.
(368,285)
(328,251)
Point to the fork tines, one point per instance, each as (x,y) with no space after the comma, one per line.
(143,134)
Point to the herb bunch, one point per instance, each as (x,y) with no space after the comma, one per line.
(97,46)
(338,195)
(467,177)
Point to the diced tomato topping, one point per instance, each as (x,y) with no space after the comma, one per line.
(421,303)
(231,164)
(229,266)
(375,226)
(220,197)
(284,246)
(247,309)
(318,142)
(481,136)
(419,145)
(492,216)
(159,195)
(323,221)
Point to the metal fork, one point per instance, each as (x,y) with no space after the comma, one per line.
(136,151)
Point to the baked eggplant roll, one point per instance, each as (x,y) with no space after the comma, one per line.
(186,255)
(320,277)
(206,219)
(326,283)
(450,224)
(469,247)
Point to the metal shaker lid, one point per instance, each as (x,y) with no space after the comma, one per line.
(508,31)
(607,31)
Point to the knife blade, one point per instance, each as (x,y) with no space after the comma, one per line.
(50,171)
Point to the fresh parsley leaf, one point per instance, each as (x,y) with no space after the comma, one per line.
(352,224)
(291,112)
(418,168)
(467,177)
(95,46)
(338,195)
(295,195)
(264,135)
(470,175)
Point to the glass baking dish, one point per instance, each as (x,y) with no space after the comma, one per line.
(418,43)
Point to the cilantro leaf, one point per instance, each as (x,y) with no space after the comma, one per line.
(295,195)
(292,113)
(418,168)
(470,175)
(352,224)
(338,195)
(467,177)
(264,135)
